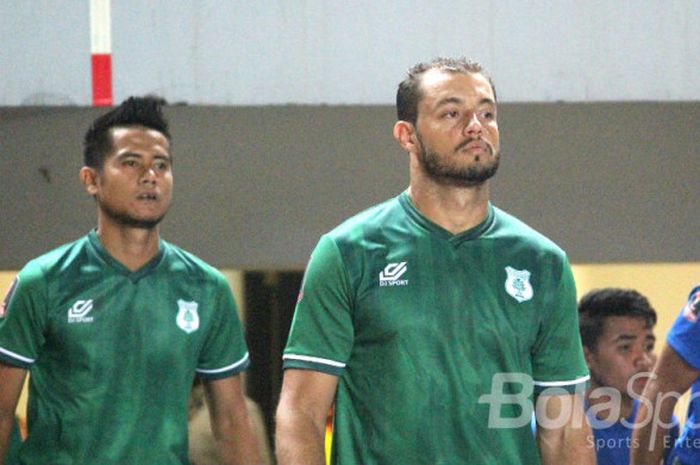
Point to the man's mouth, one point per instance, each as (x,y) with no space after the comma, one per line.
(473,146)
(641,379)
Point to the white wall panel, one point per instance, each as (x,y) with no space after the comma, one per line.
(239,52)
(44,52)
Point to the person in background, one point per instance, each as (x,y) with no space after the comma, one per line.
(677,371)
(617,331)
(114,326)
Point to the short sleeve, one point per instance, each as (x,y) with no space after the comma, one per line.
(684,335)
(224,352)
(23,318)
(321,337)
(557,358)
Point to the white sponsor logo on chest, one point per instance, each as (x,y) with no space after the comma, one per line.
(79,311)
(392,273)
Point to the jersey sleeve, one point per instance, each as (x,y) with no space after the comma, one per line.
(224,352)
(684,335)
(557,359)
(23,317)
(321,337)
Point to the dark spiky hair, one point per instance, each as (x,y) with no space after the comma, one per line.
(600,304)
(134,111)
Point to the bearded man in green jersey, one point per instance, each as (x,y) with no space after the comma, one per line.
(114,326)
(413,313)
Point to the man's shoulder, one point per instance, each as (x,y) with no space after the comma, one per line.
(58,259)
(180,260)
(373,218)
(511,227)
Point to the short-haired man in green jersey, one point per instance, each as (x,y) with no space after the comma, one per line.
(424,317)
(114,326)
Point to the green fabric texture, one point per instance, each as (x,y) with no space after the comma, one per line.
(112,353)
(418,323)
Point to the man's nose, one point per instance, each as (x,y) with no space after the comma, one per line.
(149,175)
(645,360)
(473,126)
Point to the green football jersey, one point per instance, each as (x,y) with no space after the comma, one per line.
(419,323)
(112,353)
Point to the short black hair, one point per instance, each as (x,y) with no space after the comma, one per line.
(135,111)
(409,93)
(600,304)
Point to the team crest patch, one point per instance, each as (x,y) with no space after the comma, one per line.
(692,308)
(518,284)
(187,316)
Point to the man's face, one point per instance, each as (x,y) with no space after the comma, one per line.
(456,129)
(134,185)
(625,348)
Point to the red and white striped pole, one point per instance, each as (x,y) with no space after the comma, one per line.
(101,49)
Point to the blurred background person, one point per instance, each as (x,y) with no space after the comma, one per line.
(617,332)
(677,371)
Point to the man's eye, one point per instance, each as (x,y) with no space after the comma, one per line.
(450,114)
(130,163)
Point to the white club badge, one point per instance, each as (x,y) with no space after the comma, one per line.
(518,284)
(187,316)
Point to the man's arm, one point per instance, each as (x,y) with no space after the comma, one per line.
(671,377)
(301,416)
(229,421)
(569,443)
(11,382)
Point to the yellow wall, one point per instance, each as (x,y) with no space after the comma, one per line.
(666,285)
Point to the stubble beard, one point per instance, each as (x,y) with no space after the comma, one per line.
(125,219)
(440,169)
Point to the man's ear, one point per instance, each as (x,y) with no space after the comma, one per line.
(404,135)
(89,177)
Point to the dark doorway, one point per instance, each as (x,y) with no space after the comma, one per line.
(270,300)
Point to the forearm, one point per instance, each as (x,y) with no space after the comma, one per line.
(568,443)
(11,382)
(230,422)
(649,437)
(235,443)
(568,446)
(299,441)
(305,402)
(6,423)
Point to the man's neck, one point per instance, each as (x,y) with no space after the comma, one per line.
(454,208)
(132,247)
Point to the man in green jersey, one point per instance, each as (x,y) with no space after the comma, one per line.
(114,326)
(435,319)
